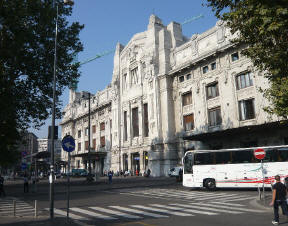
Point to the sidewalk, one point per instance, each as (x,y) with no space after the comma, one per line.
(263,202)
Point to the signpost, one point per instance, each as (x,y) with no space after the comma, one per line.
(260,154)
(68,145)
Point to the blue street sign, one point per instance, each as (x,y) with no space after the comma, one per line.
(68,143)
(23,166)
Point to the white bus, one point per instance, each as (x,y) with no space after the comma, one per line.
(234,167)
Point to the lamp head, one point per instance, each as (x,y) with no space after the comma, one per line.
(69,2)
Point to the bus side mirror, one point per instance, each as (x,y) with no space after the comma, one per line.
(182,161)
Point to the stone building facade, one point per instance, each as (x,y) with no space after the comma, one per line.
(75,122)
(170,94)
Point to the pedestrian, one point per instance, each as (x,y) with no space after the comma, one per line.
(26,184)
(2,191)
(278,199)
(110,175)
(147,174)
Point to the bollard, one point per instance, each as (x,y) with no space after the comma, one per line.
(35,209)
(14,208)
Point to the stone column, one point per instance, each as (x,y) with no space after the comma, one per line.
(130,162)
(142,167)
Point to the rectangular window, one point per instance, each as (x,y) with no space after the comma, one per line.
(213,66)
(86,131)
(204,158)
(205,69)
(134,75)
(94,144)
(188,76)
(187,99)
(135,122)
(79,133)
(102,141)
(79,146)
(125,81)
(94,129)
(146,121)
(102,126)
(246,156)
(125,126)
(223,157)
(181,79)
(188,122)
(244,80)
(212,90)
(214,116)
(86,145)
(246,109)
(234,56)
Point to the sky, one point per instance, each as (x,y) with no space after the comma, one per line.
(111,21)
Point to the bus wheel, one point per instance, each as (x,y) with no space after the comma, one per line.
(210,184)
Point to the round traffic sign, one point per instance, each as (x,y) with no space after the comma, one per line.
(259,153)
(68,143)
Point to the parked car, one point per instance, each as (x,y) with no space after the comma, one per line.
(174,172)
(79,172)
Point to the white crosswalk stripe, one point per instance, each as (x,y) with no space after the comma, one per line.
(93,214)
(22,208)
(161,210)
(114,212)
(138,211)
(185,210)
(198,207)
(71,215)
(228,207)
(236,199)
(228,204)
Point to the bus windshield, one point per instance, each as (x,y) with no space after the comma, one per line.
(188,163)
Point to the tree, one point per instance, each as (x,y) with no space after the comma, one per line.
(27,36)
(263,27)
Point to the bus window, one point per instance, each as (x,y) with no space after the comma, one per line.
(203,159)
(283,154)
(271,155)
(223,157)
(188,163)
(245,156)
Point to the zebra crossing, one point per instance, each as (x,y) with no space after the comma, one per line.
(188,195)
(155,210)
(22,208)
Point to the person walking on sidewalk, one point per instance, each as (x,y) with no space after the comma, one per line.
(110,175)
(26,184)
(278,199)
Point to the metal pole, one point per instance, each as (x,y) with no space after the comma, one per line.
(14,208)
(68,186)
(89,137)
(35,206)
(35,176)
(51,179)
(263,187)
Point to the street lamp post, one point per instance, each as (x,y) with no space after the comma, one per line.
(51,177)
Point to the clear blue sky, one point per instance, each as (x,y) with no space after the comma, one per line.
(111,21)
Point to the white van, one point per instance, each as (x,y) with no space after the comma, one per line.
(174,172)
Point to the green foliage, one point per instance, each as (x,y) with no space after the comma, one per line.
(263,26)
(27,36)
